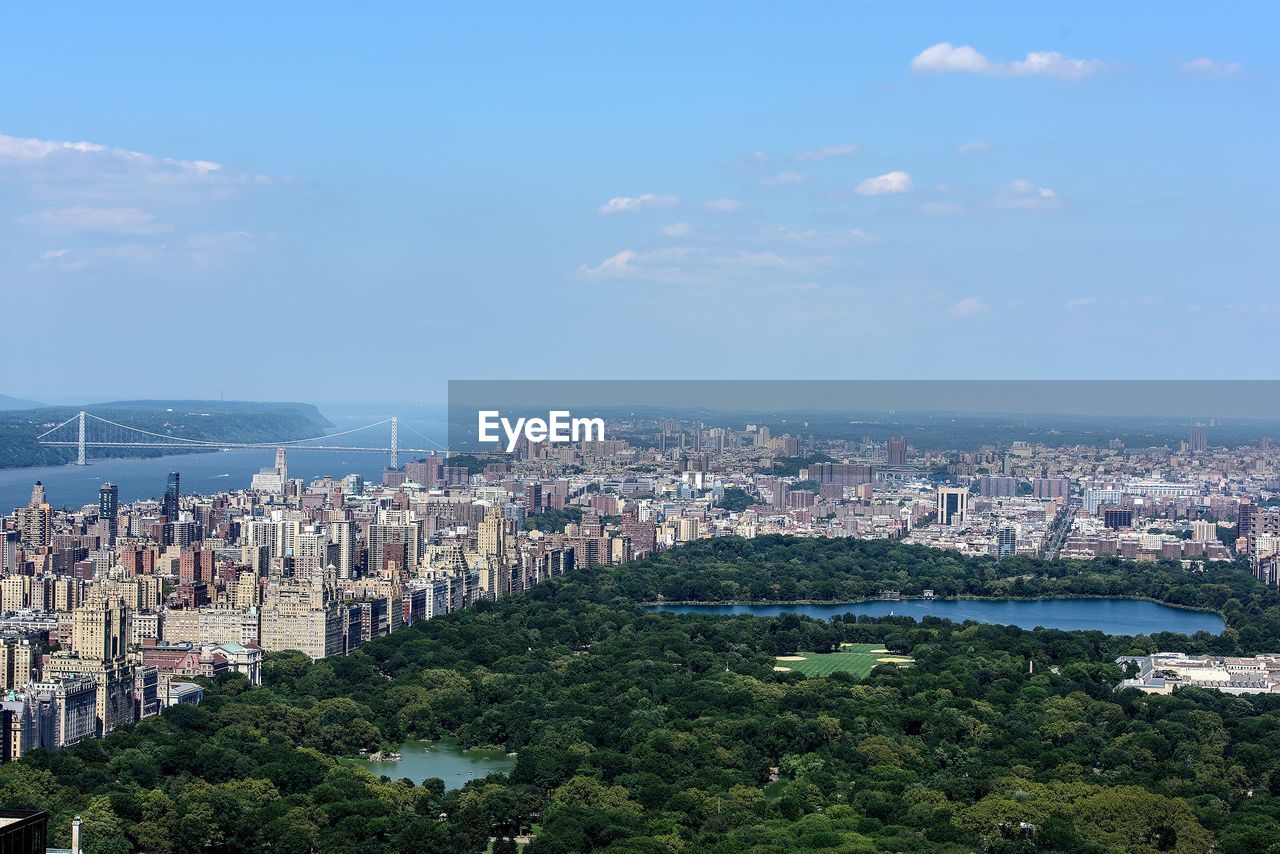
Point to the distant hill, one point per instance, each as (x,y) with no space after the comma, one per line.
(230,421)
(7,402)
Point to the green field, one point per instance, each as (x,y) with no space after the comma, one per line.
(857,659)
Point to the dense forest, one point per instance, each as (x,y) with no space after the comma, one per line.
(640,731)
(230,421)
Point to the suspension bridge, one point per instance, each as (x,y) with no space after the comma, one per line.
(84,430)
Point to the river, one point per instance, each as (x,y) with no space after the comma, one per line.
(215,471)
(1113,616)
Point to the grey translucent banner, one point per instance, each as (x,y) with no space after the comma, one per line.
(955,414)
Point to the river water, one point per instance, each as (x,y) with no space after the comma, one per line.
(215,471)
(1113,616)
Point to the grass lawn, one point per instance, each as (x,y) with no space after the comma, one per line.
(857,658)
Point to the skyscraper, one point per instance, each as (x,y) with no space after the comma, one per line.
(108,508)
(171,493)
(35,521)
(896,451)
(1198,440)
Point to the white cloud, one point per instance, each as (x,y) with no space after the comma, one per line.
(654,264)
(944,57)
(87,192)
(826,152)
(1023,194)
(783,179)
(88,170)
(723,205)
(1050,63)
(31,150)
(1206,67)
(1080,302)
(644,201)
(890,182)
(618,264)
(977,146)
(131,221)
(967,307)
(676,229)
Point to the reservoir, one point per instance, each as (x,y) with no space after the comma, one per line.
(1113,616)
(443,758)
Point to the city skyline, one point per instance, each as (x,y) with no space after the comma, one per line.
(847,192)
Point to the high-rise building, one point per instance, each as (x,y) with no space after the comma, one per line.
(1204,532)
(303,614)
(99,629)
(1006,541)
(310,551)
(491,536)
(1198,439)
(99,636)
(997,486)
(35,521)
(896,451)
(1116,518)
(1050,487)
(172,493)
(533,497)
(343,539)
(195,565)
(19,663)
(109,508)
(953,505)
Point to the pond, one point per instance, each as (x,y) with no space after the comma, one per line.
(443,758)
(1113,616)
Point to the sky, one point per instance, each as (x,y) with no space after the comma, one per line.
(324,203)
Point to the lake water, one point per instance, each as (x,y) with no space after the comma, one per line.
(443,758)
(215,471)
(1113,616)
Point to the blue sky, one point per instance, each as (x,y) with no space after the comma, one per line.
(314,202)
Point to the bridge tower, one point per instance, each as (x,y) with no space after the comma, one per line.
(395,443)
(80,461)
